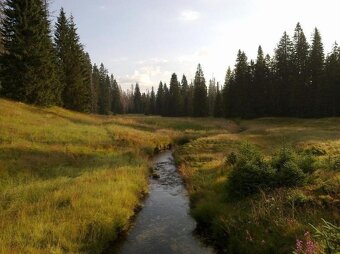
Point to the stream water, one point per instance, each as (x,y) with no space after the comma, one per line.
(164,225)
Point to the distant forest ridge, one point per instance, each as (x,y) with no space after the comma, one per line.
(299,80)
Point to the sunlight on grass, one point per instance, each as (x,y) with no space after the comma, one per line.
(70,182)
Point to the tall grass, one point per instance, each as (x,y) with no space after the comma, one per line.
(69,182)
(269,221)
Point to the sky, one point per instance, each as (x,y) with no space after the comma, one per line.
(145,41)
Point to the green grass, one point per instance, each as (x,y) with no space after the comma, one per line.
(70,182)
(268,222)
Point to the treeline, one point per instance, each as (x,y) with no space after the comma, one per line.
(39,68)
(44,69)
(298,81)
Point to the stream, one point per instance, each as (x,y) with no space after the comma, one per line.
(164,225)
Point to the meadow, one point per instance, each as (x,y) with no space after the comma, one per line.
(270,221)
(71,182)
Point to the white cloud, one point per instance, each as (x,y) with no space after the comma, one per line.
(145,77)
(189,15)
(153,60)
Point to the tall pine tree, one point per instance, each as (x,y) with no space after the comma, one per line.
(175,96)
(28,63)
(200,101)
(316,68)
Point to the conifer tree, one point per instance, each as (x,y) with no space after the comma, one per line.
(227,91)
(160,99)
(200,103)
(137,100)
(175,96)
(283,75)
(116,105)
(218,107)
(166,101)
(316,67)
(242,87)
(152,102)
(74,65)
(95,89)
(104,101)
(86,69)
(300,83)
(331,105)
(185,95)
(191,99)
(260,85)
(212,92)
(28,63)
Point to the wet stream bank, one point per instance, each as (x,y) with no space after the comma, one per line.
(164,225)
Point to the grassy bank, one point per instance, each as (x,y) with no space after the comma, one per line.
(271,221)
(70,182)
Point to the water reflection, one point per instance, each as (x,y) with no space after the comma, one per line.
(164,225)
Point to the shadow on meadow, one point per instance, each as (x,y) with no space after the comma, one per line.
(47,164)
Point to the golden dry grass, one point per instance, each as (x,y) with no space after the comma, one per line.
(270,222)
(70,182)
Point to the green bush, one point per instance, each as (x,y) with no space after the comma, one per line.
(252,173)
(250,178)
(307,163)
(290,175)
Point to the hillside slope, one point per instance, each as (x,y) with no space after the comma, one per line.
(69,182)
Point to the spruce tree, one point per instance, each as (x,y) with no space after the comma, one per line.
(218,103)
(137,100)
(152,102)
(316,67)
(212,92)
(331,105)
(28,63)
(242,87)
(227,91)
(116,104)
(74,65)
(95,89)
(86,69)
(185,97)
(175,96)
(104,101)
(283,75)
(260,85)
(200,102)
(299,104)
(160,99)
(166,102)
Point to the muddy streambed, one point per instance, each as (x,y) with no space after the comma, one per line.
(164,225)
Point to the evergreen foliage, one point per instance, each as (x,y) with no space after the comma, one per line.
(298,81)
(28,70)
(200,103)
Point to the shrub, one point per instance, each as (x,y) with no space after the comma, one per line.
(249,178)
(307,163)
(290,175)
(251,172)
